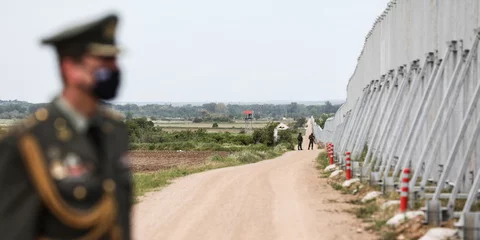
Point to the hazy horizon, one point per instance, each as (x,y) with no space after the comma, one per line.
(276,102)
(191,51)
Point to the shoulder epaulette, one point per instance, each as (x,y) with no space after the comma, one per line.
(32,120)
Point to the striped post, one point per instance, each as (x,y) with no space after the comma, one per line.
(330,153)
(404,190)
(348,172)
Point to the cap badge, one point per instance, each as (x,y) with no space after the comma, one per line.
(109,31)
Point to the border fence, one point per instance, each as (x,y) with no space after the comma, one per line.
(412,102)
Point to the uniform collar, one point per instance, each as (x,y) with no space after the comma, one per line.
(78,121)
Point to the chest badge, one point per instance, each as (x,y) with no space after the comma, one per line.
(74,166)
(71,167)
(57,170)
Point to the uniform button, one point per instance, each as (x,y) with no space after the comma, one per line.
(108,185)
(41,114)
(64,135)
(60,123)
(80,192)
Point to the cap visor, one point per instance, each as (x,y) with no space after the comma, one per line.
(103,50)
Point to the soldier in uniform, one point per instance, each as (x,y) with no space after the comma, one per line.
(300,141)
(311,139)
(64,171)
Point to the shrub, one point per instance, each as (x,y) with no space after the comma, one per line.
(265,135)
(215,125)
(197,120)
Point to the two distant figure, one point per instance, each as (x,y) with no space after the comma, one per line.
(311,139)
(300,141)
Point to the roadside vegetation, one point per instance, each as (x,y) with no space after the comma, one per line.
(242,149)
(323,118)
(145,182)
(375,212)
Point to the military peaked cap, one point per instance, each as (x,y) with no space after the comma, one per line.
(95,38)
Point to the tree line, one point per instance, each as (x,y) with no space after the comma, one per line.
(208,112)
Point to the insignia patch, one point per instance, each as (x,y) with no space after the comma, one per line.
(74,166)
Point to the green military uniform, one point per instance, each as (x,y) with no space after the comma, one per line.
(312,140)
(63,176)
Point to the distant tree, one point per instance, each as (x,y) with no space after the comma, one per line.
(220,108)
(300,123)
(323,118)
(210,107)
(293,109)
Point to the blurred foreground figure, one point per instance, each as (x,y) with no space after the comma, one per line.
(64,171)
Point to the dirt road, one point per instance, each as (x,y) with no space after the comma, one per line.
(281,198)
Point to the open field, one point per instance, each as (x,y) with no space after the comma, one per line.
(148,161)
(191,125)
(209,130)
(171,126)
(235,127)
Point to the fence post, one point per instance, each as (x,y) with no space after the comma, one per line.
(404,190)
(348,171)
(330,152)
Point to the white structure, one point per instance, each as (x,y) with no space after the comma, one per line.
(280,127)
(412,100)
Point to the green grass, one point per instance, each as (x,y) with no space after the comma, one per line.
(337,186)
(191,125)
(367,210)
(145,182)
(322,160)
(364,154)
(322,163)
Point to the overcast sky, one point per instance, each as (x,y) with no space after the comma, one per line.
(197,51)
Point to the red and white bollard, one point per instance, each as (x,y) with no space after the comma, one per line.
(348,172)
(330,153)
(404,190)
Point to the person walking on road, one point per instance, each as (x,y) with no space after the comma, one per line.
(300,141)
(311,139)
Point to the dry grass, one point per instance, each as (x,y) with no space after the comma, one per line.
(375,217)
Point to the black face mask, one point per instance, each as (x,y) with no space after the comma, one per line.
(107,82)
